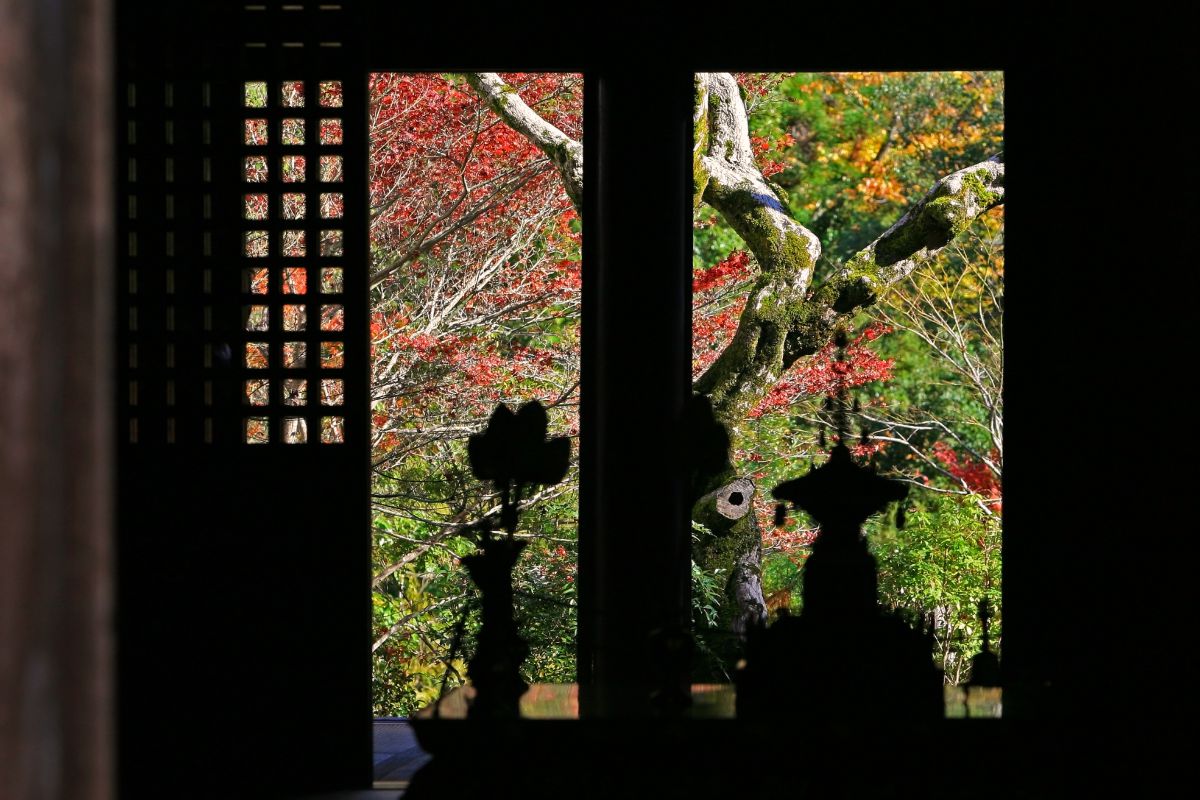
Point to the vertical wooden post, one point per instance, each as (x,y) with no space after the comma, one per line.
(634,532)
(55,419)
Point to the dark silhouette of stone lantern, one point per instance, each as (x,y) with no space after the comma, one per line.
(844,657)
(985,665)
(514,454)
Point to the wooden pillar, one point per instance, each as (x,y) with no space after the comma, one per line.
(634,531)
(55,420)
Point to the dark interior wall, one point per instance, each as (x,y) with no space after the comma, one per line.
(56,566)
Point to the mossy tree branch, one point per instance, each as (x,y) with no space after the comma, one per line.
(785,250)
(915,239)
(783,321)
(699,138)
(565,153)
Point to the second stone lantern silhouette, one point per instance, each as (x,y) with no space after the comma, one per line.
(844,657)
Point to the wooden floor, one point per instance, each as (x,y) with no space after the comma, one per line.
(397,755)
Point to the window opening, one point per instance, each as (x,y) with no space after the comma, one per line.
(475,268)
(833,161)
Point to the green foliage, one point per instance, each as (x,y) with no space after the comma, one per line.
(867,145)
(411,665)
(708,594)
(944,561)
(708,587)
(783,579)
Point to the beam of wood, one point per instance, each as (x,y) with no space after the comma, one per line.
(56,727)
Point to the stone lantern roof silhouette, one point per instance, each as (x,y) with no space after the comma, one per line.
(857,660)
(841,494)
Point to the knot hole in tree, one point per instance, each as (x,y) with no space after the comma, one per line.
(733,499)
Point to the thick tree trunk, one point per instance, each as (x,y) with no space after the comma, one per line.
(733,542)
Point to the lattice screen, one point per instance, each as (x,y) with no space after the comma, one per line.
(243,476)
(238,261)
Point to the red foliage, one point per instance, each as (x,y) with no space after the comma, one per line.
(767,150)
(758,85)
(486,240)
(824,372)
(436,160)
(974,474)
(733,269)
(711,332)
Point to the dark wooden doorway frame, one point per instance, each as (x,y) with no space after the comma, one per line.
(625,135)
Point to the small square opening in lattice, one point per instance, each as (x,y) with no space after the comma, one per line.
(295,392)
(254,169)
(293,169)
(333,318)
(331,243)
(258,318)
(294,430)
(255,94)
(291,94)
(332,205)
(294,205)
(255,244)
(255,281)
(331,169)
(331,131)
(331,94)
(258,355)
(257,430)
(256,206)
(333,355)
(291,131)
(292,244)
(295,281)
(332,391)
(294,355)
(294,318)
(333,430)
(258,392)
(331,280)
(256,132)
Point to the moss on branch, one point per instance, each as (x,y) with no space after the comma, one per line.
(700,139)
